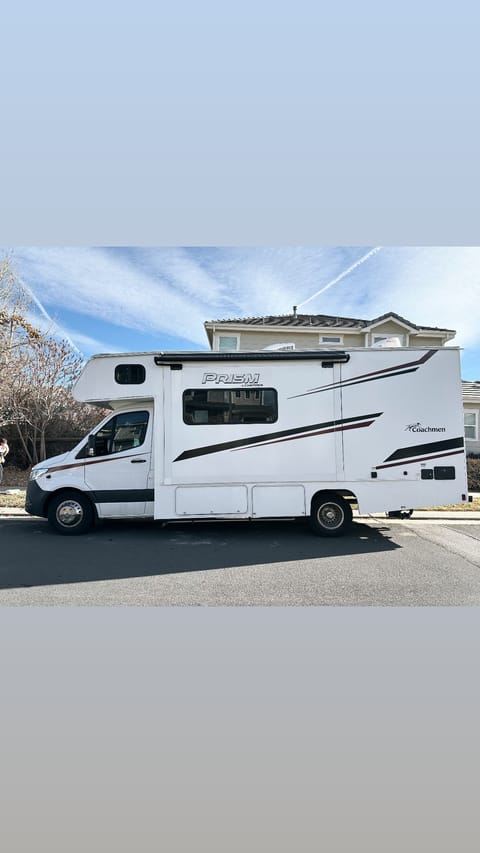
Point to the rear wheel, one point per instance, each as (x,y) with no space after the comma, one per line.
(331,515)
(70,513)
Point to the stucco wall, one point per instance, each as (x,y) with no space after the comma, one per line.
(388,328)
(302,340)
(260,340)
(424,341)
(470,445)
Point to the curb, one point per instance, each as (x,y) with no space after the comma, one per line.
(425,514)
(418,515)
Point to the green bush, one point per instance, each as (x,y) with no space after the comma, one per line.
(473,471)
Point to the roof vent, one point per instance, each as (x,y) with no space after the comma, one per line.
(286,347)
(388,342)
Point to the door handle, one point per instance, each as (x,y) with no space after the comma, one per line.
(136,461)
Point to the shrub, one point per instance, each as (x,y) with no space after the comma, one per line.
(473,471)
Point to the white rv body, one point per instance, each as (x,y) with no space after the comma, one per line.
(263,434)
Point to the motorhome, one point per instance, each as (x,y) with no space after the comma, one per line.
(264,434)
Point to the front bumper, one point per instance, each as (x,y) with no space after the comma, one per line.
(36,499)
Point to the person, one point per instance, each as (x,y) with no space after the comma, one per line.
(4,448)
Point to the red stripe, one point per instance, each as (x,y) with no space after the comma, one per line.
(88,462)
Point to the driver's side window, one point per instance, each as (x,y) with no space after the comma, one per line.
(122,432)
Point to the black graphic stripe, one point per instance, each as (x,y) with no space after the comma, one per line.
(116,496)
(349,382)
(339,427)
(269,438)
(422,449)
(419,459)
(385,373)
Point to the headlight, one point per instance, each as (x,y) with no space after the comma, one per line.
(36,473)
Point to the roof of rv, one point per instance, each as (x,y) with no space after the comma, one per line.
(166,357)
(160,357)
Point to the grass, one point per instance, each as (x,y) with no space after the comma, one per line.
(474,506)
(13,501)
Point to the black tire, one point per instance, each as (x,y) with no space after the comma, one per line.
(331,515)
(70,513)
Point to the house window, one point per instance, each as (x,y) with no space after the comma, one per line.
(230,406)
(331,339)
(227,342)
(471,425)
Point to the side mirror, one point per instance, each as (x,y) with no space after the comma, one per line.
(91,445)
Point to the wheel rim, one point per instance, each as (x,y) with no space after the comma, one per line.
(69,513)
(330,516)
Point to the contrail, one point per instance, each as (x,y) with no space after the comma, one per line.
(50,319)
(342,275)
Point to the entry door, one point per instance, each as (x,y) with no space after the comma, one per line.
(118,474)
(315,445)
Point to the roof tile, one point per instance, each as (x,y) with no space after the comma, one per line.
(323,320)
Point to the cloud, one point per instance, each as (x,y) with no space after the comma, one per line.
(100,284)
(342,275)
(172,291)
(437,286)
(79,341)
(88,344)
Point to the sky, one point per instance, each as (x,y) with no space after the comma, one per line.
(142,299)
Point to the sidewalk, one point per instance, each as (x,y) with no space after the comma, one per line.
(418,515)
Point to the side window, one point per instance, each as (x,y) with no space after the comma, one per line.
(130,374)
(122,432)
(230,406)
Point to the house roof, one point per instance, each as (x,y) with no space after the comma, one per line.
(322,320)
(471,391)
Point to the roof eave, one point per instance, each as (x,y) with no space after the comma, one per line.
(268,327)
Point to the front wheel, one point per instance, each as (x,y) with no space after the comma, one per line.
(330,515)
(70,513)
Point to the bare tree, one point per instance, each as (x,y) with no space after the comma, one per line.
(39,392)
(15,330)
(36,374)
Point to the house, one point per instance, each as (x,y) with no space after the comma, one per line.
(312,331)
(471,406)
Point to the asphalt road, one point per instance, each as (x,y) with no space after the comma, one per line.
(381,563)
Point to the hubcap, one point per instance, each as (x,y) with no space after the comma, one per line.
(330,515)
(69,513)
